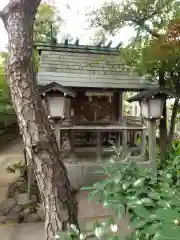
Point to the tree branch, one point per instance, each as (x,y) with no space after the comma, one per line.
(147,28)
(9,7)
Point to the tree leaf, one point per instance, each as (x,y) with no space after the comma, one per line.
(166,214)
(141,211)
(138,223)
(168,231)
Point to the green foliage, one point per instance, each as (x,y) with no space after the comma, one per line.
(147,16)
(7,115)
(19,166)
(106,230)
(172,158)
(150,47)
(154,52)
(46,17)
(99,36)
(152,202)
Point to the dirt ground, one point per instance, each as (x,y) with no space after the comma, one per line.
(88,213)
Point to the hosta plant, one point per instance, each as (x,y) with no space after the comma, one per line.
(106,230)
(151,202)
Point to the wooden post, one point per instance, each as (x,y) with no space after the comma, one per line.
(125,141)
(58,134)
(72,141)
(120,105)
(99,146)
(152,143)
(118,140)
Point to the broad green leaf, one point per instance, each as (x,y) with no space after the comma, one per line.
(154,195)
(142,212)
(118,199)
(152,228)
(92,194)
(138,223)
(164,203)
(138,182)
(168,231)
(166,214)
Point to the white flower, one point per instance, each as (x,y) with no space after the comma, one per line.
(116,180)
(114,228)
(112,160)
(82,236)
(137,182)
(98,232)
(169,176)
(74,228)
(168,205)
(176,222)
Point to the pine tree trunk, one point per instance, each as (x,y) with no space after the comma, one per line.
(39,139)
(163,121)
(163,132)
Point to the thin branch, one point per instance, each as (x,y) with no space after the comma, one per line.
(147,28)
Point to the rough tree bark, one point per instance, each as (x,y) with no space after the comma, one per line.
(39,140)
(163,121)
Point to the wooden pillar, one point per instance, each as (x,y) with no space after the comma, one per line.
(99,147)
(72,143)
(124,142)
(119,105)
(152,143)
(118,140)
(58,133)
(143,144)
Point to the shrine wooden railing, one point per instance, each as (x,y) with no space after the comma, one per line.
(120,131)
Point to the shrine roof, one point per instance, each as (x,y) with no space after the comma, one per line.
(74,65)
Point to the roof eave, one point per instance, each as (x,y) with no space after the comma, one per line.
(55,86)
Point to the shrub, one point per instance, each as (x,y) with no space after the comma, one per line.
(152,202)
(19,166)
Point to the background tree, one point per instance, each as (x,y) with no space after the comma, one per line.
(99,36)
(47,16)
(7,115)
(151,20)
(38,137)
(47,19)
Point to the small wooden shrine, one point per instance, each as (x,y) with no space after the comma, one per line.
(82,89)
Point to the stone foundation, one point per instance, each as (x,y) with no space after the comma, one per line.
(83,173)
